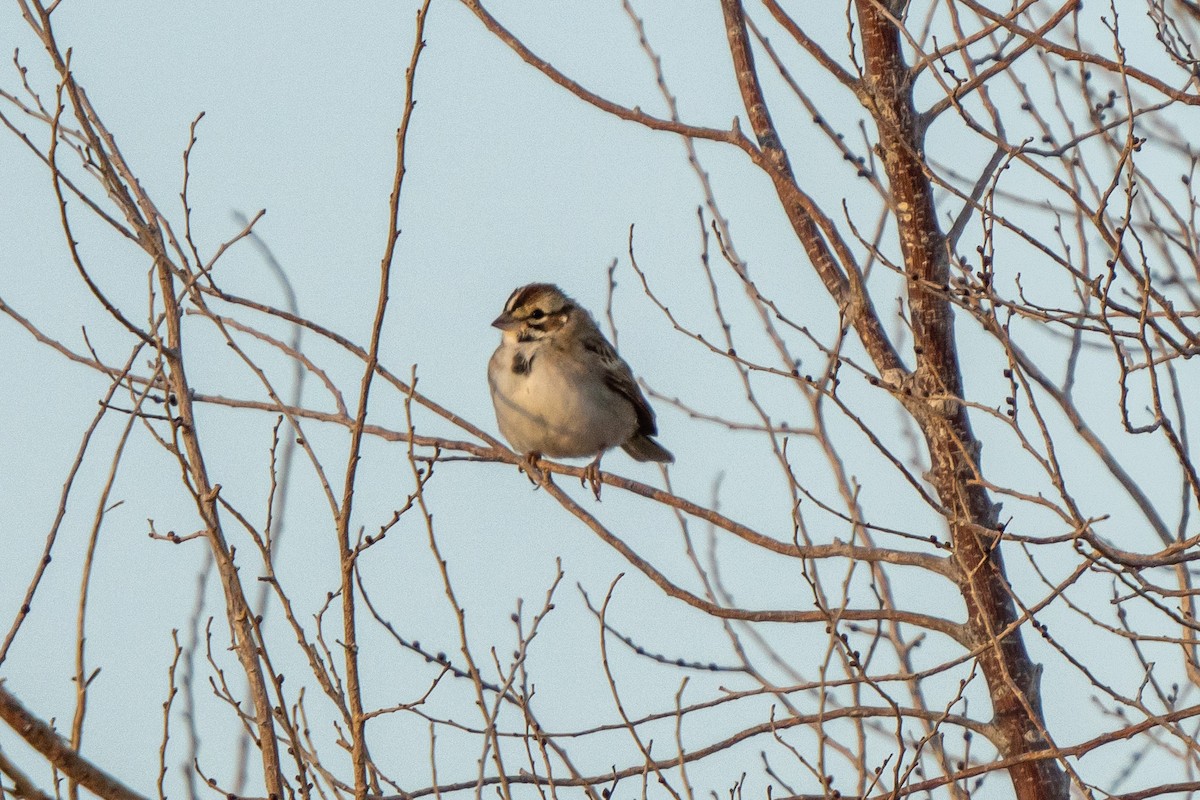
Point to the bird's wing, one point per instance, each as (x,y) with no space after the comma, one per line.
(619,378)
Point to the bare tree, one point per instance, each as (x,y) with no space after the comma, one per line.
(1008,265)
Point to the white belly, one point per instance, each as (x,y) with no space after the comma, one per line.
(556,410)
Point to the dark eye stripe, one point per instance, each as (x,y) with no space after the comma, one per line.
(528,295)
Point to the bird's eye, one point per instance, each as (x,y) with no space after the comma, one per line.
(537,314)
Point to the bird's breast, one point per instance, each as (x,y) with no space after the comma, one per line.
(552,404)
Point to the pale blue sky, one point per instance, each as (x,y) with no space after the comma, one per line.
(510,180)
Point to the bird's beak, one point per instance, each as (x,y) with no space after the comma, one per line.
(505,322)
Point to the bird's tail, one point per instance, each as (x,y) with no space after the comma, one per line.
(643,448)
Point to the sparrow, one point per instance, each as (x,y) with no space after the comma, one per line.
(560,389)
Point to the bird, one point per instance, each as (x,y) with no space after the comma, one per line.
(560,389)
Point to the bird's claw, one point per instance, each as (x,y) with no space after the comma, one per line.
(591,475)
(529,463)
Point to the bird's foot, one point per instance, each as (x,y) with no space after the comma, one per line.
(529,465)
(591,475)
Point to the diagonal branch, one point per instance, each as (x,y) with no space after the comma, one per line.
(828,252)
(42,738)
(733,136)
